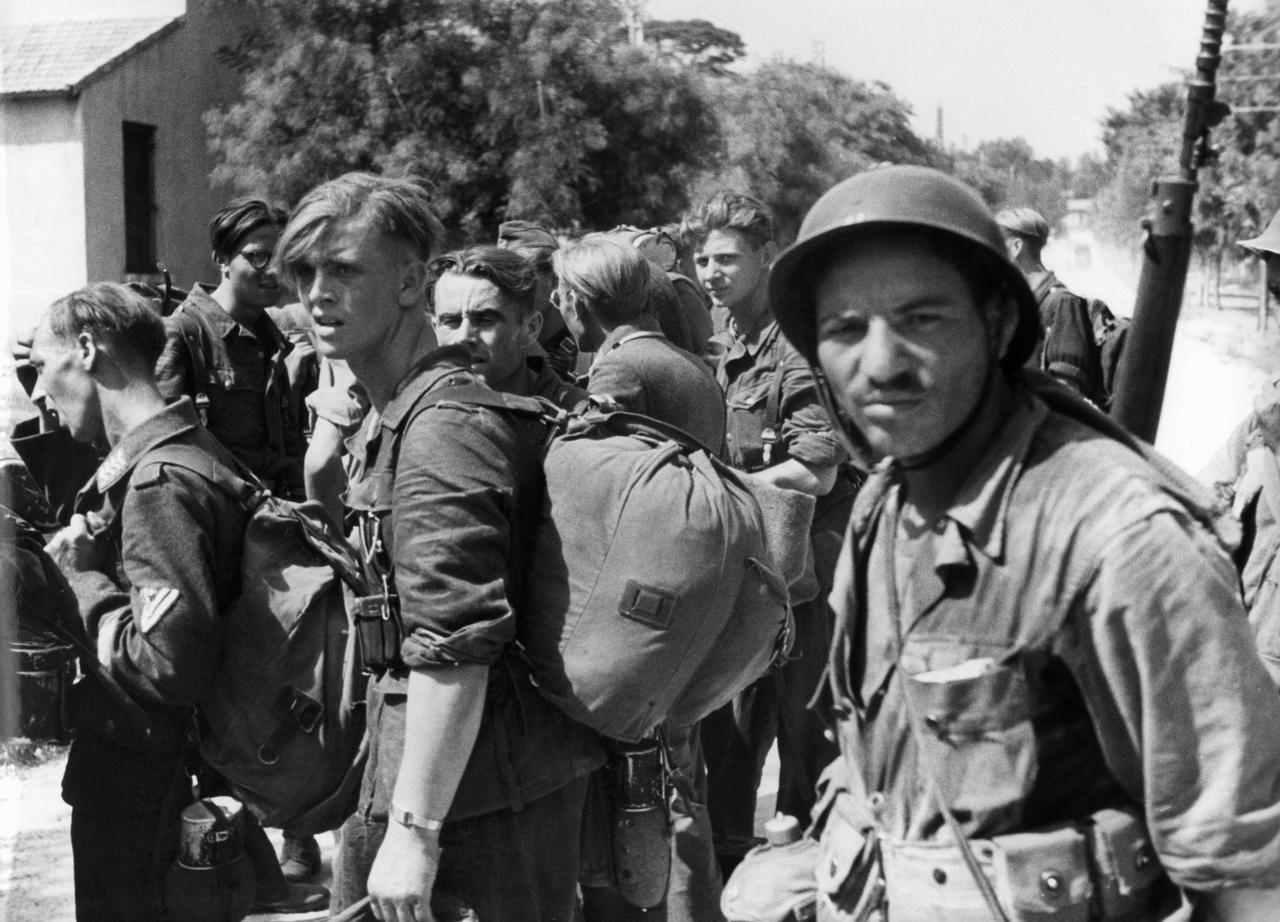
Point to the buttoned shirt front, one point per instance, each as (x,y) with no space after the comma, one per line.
(1099,637)
(748,369)
(246,383)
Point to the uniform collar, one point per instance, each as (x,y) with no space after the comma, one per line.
(624,333)
(174,419)
(437,364)
(758,338)
(981,505)
(1046,284)
(224,325)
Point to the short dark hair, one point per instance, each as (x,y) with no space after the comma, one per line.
(612,276)
(727,210)
(399,208)
(113,314)
(238,219)
(512,274)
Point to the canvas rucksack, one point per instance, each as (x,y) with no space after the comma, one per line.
(284,719)
(1111,333)
(650,591)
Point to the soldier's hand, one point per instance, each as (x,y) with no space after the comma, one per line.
(404,874)
(75,548)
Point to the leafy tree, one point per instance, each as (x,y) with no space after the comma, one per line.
(1141,143)
(516,108)
(1239,190)
(792,130)
(697,43)
(1008,174)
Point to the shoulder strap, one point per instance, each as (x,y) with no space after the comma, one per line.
(1193,495)
(772,431)
(235,479)
(195,333)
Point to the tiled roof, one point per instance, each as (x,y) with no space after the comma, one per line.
(60,57)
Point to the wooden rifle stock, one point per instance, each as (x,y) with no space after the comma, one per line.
(1166,252)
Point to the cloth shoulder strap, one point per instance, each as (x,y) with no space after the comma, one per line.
(196,334)
(1193,495)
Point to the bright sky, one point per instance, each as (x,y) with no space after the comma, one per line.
(1044,70)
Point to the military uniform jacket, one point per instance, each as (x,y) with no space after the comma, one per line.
(754,367)
(246,382)
(1120,667)
(1067,348)
(154,610)
(459,512)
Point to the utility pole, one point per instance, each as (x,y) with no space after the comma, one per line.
(633,15)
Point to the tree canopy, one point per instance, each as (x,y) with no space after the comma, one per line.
(517,108)
(792,130)
(539,110)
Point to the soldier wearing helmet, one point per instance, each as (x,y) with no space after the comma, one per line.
(1245,475)
(1046,691)
(1266,246)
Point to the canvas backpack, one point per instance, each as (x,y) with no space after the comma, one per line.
(284,719)
(650,592)
(1111,333)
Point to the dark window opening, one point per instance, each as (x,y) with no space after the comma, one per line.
(139,198)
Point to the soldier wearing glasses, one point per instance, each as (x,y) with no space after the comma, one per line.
(224,351)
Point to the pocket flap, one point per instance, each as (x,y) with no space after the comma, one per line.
(1044,872)
(1126,861)
(846,850)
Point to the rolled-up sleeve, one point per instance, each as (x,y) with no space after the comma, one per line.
(452,508)
(806,430)
(1187,716)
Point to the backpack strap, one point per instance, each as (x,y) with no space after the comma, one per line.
(1194,496)
(195,333)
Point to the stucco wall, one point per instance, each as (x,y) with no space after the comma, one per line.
(42,204)
(169,84)
(62,171)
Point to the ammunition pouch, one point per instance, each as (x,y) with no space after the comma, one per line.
(1100,869)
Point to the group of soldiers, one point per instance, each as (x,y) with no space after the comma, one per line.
(1024,683)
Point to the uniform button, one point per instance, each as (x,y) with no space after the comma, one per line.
(939,876)
(1052,884)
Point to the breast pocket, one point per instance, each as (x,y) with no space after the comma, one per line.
(976,739)
(745,433)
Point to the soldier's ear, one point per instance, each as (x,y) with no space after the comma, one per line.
(414,279)
(769,249)
(532,325)
(87,350)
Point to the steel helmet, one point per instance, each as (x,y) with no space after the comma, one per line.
(1266,242)
(904,196)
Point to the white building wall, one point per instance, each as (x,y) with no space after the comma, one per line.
(42,206)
